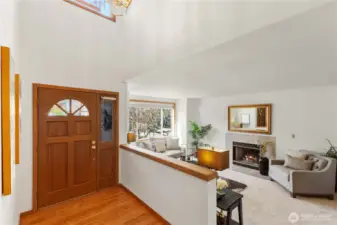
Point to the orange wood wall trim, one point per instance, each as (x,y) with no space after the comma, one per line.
(17,119)
(6,128)
(165,222)
(185,167)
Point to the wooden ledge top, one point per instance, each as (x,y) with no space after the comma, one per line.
(185,167)
(214,150)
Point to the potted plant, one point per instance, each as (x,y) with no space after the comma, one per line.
(332,153)
(198,133)
(264,161)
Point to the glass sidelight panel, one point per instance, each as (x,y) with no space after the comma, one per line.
(107,120)
(107,156)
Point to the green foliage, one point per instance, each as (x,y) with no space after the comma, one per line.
(167,118)
(332,153)
(198,133)
(263,147)
(146,122)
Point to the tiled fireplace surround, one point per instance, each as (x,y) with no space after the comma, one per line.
(246,138)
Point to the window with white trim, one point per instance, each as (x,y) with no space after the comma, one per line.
(151,119)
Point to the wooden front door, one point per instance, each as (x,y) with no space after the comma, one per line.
(67,143)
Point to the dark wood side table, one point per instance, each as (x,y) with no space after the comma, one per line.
(228,203)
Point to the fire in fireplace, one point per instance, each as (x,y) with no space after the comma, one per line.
(247,155)
(250,158)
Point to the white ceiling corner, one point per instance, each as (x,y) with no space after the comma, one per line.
(203,48)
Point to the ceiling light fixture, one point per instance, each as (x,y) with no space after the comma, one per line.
(120,7)
(108,9)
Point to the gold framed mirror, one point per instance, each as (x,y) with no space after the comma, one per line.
(250,118)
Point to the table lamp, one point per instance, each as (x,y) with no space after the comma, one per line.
(132,137)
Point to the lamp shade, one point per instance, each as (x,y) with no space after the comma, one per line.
(132,137)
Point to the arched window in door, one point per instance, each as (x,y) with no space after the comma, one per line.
(67,107)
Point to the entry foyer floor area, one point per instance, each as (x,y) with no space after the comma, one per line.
(111,206)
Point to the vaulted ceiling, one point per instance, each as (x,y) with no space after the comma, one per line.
(185,48)
(212,48)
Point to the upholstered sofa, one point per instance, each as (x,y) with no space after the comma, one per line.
(165,145)
(319,181)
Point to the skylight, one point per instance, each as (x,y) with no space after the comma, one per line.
(108,9)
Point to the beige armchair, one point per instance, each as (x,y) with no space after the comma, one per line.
(317,182)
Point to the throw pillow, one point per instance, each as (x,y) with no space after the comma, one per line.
(140,144)
(297,154)
(160,146)
(172,143)
(298,164)
(319,163)
(148,145)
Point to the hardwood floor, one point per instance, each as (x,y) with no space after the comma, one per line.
(113,206)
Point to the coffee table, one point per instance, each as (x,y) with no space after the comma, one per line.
(228,203)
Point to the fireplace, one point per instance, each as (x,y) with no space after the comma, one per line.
(247,155)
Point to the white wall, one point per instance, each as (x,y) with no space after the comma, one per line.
(8,212)
(193,114)
(179,198)
(7,20)
(182,120)
(57,47)
(308,113)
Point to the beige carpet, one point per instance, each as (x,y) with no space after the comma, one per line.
(267,203)
(248,171)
